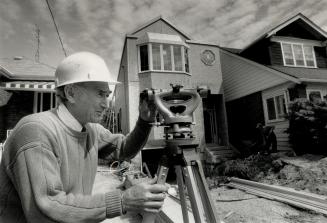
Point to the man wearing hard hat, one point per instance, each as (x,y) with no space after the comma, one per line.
(50,160)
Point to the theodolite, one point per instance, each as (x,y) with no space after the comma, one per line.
(182,151)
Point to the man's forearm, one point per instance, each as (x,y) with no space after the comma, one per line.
(135,140)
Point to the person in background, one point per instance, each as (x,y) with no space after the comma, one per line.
(50,160)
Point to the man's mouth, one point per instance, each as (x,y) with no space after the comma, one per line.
(99,112)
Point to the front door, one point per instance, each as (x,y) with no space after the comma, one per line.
(210,123)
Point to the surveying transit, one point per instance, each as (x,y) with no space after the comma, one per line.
(177,107)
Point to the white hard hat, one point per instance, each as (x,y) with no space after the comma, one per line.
(83,67)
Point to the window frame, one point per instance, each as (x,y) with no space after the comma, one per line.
(183,48)
(302,45)
(274,95)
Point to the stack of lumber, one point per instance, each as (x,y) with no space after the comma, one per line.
(300,199)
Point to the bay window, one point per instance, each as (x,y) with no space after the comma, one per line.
(162,52)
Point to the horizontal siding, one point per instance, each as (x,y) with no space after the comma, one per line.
(242,78)
(321,57)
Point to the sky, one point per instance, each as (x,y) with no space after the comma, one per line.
(100,26)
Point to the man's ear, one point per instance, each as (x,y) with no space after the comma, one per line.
(69,92)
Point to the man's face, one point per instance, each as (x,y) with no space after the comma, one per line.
(91,100)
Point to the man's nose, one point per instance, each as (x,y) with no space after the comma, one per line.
(104,103)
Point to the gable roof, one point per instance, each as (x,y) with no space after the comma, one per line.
(25,69)
(282,25)
(165,21)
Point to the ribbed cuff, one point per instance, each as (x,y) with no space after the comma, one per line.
(113,204)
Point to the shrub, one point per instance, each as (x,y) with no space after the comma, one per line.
(308,126)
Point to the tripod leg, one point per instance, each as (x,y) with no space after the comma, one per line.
(180,183)
(208,202)
(202,205)
(194,195)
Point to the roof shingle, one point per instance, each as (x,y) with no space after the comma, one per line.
(25,69)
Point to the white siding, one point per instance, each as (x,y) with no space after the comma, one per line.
(241,77)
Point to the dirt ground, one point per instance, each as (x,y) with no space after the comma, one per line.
(235,206)
(308,173)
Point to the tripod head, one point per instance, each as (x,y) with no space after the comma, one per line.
(176,107)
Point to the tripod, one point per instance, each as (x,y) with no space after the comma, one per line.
(177,108)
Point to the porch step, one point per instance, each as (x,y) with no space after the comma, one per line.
(215,153)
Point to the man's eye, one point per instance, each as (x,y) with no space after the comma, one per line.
(103,94)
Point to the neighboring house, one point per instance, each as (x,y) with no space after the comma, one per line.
(287,62)
(26,87)
(158,54)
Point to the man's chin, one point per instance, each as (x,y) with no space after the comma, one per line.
(97,119)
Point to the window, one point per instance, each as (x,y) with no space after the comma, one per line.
(314,95)
(187,68)
(309,56)
(156,56)
(276,107)
(178,58)
(164,57)
(44,101)
(298,55)
(144,57)
(288,55)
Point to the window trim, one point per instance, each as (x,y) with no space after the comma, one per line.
(303,54)
(150,58)
(274,95)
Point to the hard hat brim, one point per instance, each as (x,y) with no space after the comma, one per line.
(74,82)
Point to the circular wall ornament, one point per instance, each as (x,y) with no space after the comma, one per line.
(208,57)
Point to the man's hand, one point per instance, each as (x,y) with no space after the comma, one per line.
(147,110)
(147,196)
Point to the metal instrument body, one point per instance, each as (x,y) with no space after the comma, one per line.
(177,107)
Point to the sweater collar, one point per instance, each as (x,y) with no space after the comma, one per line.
(66,117)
